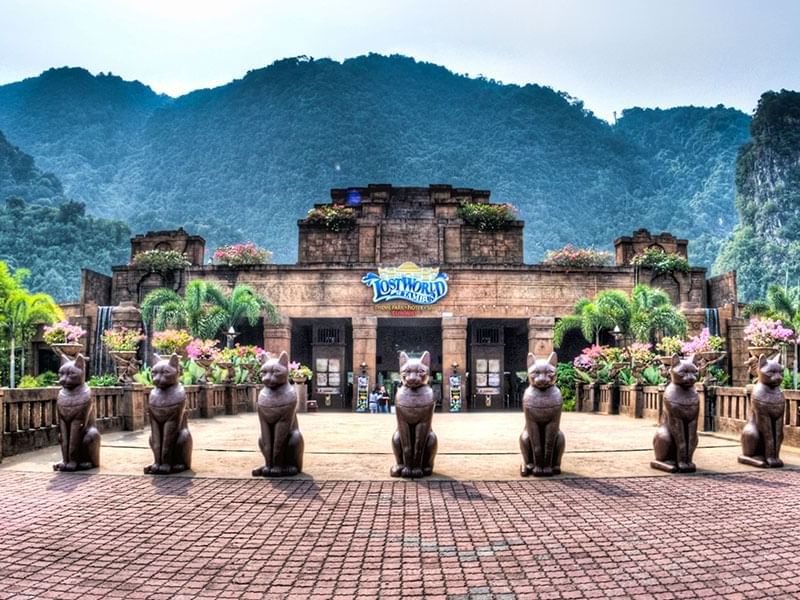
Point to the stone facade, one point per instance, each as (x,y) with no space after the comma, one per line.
(497,308)
(193,246)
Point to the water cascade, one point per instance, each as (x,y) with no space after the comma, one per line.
(101,362)
(711,320)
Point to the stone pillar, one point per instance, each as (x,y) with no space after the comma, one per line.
(737,353)
(134,403)
(278,336)
(365,346)
(454,350)
(540,336)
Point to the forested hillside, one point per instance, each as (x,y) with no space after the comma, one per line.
(247,159)
(765,247)
(41,230)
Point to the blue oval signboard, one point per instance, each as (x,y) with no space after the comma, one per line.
(418,285)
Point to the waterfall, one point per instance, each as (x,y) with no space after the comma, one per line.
(101,362)
(711,320)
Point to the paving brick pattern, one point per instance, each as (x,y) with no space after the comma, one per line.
(705,536)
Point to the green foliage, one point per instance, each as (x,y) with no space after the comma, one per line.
(652,376)
(144,376)
(27,382)
(105,380)
(565,380)
(765,246)
(718,375)
(277,139)
(192,372)
(334,218)
(488,217)
(626,377)
(47,379)
(160,261)
(660,261)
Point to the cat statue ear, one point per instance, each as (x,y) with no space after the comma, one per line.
(80,361)
(553,359)
(157,358)
(676,360)
(264,357)
(762,360)
(403,359)
(283,359)
(531,359)
(175,360)
(426,359)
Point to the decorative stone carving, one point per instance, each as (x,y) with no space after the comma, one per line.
(170,439)
(676,437)
(78,435)
(542,442)
(281,442)
(763,435)
(414,443)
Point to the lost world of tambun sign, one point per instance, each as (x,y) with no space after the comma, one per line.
(418,285)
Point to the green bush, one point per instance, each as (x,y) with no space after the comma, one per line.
(565,380)
(27,382)
(488,217)
(160,261)
(47,379)
(660,261)
(105,380)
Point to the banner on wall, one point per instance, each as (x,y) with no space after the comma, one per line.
(455,393)
(363,393)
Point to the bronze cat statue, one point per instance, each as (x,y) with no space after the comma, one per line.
(281,442)
(77,433)
(763,435)
(541,442)
(170,439)
(676,437)
(414,443)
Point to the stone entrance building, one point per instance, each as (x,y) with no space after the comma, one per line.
(408,274)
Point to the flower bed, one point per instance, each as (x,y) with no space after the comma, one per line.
(570,256)
(488,217)
(241,254)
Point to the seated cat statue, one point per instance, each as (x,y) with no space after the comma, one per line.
(541,442)
(281,442)
(676,437)
(763,435)
(414,443)
(170,439)
(77,434)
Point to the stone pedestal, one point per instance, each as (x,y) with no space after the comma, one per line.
(134,406)
(301,389)
(540,336)
(365,346)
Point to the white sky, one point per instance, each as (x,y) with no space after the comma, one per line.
(612,54)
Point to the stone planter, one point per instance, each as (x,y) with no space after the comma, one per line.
(125,364)
(608,403)
(631,401)
(67,351)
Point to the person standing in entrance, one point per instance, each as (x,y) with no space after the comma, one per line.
(384,400)
(374,399)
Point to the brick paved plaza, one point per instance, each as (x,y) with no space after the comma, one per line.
(344,529)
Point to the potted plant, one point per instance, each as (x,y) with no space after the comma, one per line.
(241,254)
(171,341)
(64,338)
(203,353)
(122,344)
(299,373)
(706,348)
(765,336)
(668,347)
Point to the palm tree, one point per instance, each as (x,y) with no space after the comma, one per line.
(652,315)
(20,313)
(204,308)
(609,309)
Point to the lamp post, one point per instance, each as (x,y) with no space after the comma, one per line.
(617,333)
(230,335)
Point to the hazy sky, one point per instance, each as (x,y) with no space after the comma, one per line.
(612,54)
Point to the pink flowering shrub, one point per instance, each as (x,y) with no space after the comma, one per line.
(63,333)
(570,256)
(241,254)
(705,342)
(202,349)
(767,332)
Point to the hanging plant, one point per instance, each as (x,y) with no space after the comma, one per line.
(333,217)
(488,217)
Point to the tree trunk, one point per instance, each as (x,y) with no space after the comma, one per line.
(12,377)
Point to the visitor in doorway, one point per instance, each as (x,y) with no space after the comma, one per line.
(374,399)
(384,400)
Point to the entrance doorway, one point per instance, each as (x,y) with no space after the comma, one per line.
(497,357)
(412,336)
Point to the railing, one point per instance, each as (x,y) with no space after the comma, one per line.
(30,416)
(609,399)
(630,401)
(730,413)
(652,397)
(192,400)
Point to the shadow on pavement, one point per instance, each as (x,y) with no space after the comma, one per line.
(166,485)
(67,482)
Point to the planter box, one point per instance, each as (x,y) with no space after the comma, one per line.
(631,401)
(652,401)
(608,403)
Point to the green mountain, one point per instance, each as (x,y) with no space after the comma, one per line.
(765,246)
(52,236)
(247,159)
